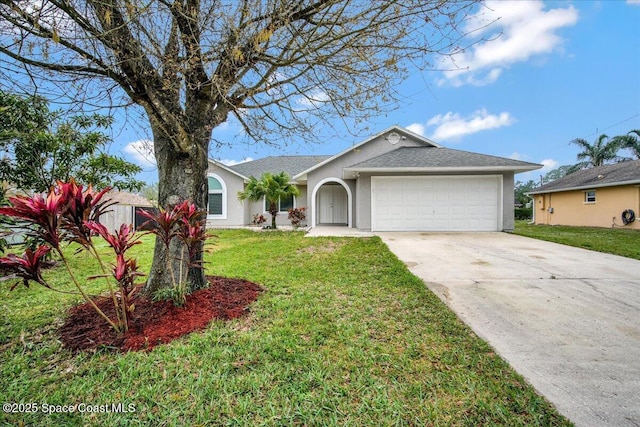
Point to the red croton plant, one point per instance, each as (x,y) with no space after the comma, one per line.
(186,223)
(70,213)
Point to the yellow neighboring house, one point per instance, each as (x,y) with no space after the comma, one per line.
(604,196)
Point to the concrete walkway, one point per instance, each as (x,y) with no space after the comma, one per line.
(567,319)
(337,231)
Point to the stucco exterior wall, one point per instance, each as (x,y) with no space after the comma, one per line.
(283,217)
(240,213)
(363,202)
(334,169)
(570,208)
(236,211)
(508,214)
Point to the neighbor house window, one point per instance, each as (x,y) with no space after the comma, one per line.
(217,196)
(590,196)
(284,204)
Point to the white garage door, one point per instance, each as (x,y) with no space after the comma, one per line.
(436,203)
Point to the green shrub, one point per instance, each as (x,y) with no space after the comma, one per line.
(523,213)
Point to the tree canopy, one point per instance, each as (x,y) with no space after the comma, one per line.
(521,189)
(603,150)
(40,148)
(280,67)
(558,173)
(150,192)
(631,141)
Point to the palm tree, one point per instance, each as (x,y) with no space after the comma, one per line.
(602,151)
(273,188)
(631,141)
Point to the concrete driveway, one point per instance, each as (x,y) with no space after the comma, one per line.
(567,319)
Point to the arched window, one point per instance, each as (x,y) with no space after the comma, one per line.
(217,203)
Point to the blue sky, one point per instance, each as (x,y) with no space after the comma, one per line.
(560,70)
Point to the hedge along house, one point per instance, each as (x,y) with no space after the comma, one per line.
(604,196)
(395,180)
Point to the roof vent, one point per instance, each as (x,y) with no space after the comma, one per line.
(600,176)
(393,138)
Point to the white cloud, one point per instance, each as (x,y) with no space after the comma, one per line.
(141,153)
(452,125)
(231,162)
(313,99)
(515,156)
(417,128)
(549,165)
(48,16)
(514,32)
(633,2)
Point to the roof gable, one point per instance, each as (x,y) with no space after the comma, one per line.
(402,134)
(624,173)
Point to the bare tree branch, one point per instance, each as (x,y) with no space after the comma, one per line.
(282,68)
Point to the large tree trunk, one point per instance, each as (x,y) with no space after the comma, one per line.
(181,176)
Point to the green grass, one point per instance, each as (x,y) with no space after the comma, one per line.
(617,241)
(344,335)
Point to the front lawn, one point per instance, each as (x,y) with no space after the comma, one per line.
(618,241)
(344,334)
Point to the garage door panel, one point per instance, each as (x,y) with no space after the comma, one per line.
(441,194)
(420,203)
(395,197)
(411,202)
(396,211)
(476,196)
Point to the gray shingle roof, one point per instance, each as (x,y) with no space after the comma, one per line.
(292,165)
(440,157)
(601,176)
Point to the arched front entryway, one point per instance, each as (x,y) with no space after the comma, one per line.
(331,203)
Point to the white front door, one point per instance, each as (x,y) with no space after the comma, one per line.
(332,205)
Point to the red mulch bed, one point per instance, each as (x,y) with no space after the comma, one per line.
(160,322)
